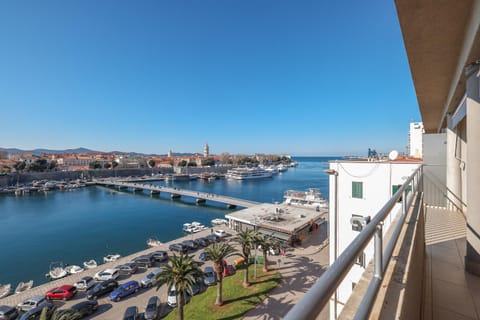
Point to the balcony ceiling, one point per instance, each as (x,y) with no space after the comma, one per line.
(441,38)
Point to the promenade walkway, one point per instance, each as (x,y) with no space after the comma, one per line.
(200,197)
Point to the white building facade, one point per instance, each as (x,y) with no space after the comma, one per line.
(415,140)
(358,190)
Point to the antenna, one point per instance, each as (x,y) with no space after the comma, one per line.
(393,155)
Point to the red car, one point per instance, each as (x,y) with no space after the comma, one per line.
(228,270)
(62,292)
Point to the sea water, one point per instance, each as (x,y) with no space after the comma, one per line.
(89,223)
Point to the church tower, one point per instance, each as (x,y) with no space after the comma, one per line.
(206,150)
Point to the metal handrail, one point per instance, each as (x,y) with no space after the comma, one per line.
(319,294)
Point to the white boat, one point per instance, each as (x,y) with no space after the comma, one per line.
(5,290)
(74,269)
(153,242)
(187,226)
(90,264)
(57,271)
(24,286)
(245,173)
(111,258)
(217,222)
(312,198)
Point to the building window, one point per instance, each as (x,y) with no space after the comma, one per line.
(361,260)
(357,189)
(395,188)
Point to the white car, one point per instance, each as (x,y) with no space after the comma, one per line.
(172,297)
(221,233)
(107,274)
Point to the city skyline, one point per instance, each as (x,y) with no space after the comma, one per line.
(247,77)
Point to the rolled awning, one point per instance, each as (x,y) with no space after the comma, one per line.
(275,234)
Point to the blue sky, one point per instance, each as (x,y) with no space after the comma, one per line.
(260,76)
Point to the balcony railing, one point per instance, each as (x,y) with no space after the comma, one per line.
(319,295)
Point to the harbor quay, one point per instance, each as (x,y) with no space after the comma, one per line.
(300,268)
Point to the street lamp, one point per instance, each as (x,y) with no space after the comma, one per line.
(335,241)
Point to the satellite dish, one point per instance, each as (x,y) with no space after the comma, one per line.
(393,155)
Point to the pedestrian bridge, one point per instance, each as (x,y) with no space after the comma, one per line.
(175,193)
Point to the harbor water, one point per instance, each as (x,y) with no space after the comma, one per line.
(89,223)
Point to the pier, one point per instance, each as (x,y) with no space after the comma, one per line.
(175,193)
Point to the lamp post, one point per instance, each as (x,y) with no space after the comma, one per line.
(255,244)
(335,241)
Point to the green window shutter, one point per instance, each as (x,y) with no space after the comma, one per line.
(357,189)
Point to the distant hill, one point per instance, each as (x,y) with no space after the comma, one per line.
(83,150)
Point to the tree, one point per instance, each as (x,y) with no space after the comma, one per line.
(20,166)
(94,165)
(151,163)
(182,163)
(218,252)
(246,239)
(114,164)
(54,314)
(209,162)
(191,164)
(52,165)
(266,244)
(182,272)
(108,165)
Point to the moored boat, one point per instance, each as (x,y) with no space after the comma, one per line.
(111,258)
(217,222)
(90,264)
(5,290)
(57,271)
(152,242)
(24,286)
(72,269)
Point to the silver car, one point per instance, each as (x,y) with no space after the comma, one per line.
(210,276)
(153,308)
(31,303)
(147,281)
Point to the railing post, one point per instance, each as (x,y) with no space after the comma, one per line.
(404,202)
(378,252)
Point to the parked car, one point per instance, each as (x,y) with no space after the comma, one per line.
(144,261)
(31,303)
(210,276)
(64,292)
(213,238)
(204,256)
(178,247)
(8,313)
(85,308)
(34,313)
(152,310)
(131,314)
(107,274)
(85,283)
(159,255)
(190,244)
(127,268)
(148,280)
(203,241)
(228,270)
(102,288)
(124,290)
(221,233)
(172,297)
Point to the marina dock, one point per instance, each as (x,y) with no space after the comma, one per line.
(175,193)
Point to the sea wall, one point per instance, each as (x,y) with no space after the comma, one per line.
(14,178)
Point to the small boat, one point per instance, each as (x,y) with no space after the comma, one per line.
(5,290)
(57,271)
(186,226)
(90,264)
(111,258)
(152,242)
(74,269)
(217,222)
(24,286)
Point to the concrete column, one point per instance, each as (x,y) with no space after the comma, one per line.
(453,181)
(472,258)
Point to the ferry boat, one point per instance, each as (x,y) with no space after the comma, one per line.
(312,198)
(245,173)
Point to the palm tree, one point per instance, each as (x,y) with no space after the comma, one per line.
(182,272)
(59,314)
(246,239)
(218,252)
(266,243)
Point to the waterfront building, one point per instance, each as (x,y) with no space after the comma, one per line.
(358,189)
(285,223)
(431,269)
(415,140)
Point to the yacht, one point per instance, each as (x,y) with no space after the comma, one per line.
(245,173)
(312,198)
